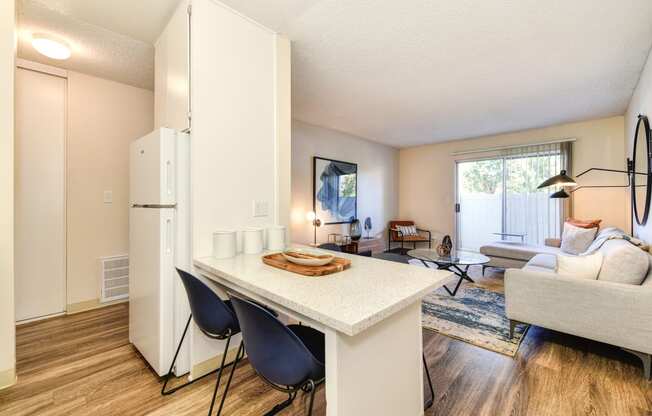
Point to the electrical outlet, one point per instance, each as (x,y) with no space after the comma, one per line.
(261,209)
(108,197)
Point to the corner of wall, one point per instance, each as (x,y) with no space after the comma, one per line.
(7,314)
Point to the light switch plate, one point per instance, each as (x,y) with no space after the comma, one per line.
(261,209)
(108,197)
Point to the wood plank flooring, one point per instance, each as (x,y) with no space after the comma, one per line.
(84,365)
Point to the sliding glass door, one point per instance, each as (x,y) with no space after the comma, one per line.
(498,199)
(480,202)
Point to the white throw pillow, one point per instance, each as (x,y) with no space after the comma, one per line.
(583,267)
(623,263)
(576,240)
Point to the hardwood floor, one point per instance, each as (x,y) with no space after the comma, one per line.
(84,365)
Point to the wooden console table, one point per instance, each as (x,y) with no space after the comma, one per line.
(375,245)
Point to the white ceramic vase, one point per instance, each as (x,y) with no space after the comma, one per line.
(224,244)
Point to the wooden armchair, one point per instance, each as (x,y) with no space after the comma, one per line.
(395,236)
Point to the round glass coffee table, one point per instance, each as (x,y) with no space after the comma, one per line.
(457,262)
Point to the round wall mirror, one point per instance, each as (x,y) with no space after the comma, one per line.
(641,174)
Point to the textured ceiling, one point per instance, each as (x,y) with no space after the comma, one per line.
(111,39)
(412,72)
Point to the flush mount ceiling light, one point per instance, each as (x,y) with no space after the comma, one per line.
(51,47)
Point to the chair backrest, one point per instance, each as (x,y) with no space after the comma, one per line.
(394,223)
(209,312)
(274,351)
(330,246)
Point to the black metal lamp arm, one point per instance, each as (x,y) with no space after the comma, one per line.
(628,172)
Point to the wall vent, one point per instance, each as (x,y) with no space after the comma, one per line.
(114,279)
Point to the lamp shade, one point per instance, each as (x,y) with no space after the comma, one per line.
(560,180)
(560,194)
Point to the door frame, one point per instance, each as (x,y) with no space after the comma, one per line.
(59,73)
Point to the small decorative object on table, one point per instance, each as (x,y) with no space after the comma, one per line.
(444,249)
(356,231)
(367,226)
(307,257)
(277,260)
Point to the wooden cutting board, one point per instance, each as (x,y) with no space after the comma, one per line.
(277,260)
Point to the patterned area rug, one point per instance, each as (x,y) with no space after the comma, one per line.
(475,315)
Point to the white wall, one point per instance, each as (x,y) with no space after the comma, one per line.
(641,103)
(103,118)
(427,177)
(240,143)
(7,328)
(377,178)
(234,138)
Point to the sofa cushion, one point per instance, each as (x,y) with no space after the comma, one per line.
(623,263)
(543,261)
(583,267)
(648,277)
(576,240)
(516,251)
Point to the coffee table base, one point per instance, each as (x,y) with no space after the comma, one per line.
(458,271)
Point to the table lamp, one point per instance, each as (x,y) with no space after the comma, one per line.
(316,222)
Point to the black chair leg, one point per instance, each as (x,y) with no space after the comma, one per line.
(312,396)
(219,374)
(282,405)
(430,402)
(174,360)
(238,356)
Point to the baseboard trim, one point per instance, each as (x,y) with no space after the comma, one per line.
(89,305)
(211,364)
(7,378)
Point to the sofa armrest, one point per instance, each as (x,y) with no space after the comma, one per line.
(553,242)
(614,313)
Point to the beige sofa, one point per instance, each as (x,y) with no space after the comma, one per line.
(615,313)
(504,254)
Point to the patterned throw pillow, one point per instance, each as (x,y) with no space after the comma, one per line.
(407,230)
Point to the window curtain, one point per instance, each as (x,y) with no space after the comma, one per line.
(527,209)
(567,165)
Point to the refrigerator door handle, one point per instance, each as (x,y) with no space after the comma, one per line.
(168,235)
(169,178)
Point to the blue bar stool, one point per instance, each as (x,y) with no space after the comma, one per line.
(216,319)
(289,358)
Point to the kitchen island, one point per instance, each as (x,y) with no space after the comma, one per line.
(370,315)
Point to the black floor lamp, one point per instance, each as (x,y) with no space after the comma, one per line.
(564,180)
(639,167)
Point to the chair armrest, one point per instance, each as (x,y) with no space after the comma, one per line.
(553,242)
(614,313)
(420,230)
(399,234)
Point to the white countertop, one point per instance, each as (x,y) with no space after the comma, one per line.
(349,301)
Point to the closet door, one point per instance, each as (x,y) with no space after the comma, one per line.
(40,265)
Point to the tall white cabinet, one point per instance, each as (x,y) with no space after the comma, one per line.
(171,72)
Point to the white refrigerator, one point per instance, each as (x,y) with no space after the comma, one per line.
(159,240)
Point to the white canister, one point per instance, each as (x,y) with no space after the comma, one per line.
(252,240)
(224,244)
(276,238)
